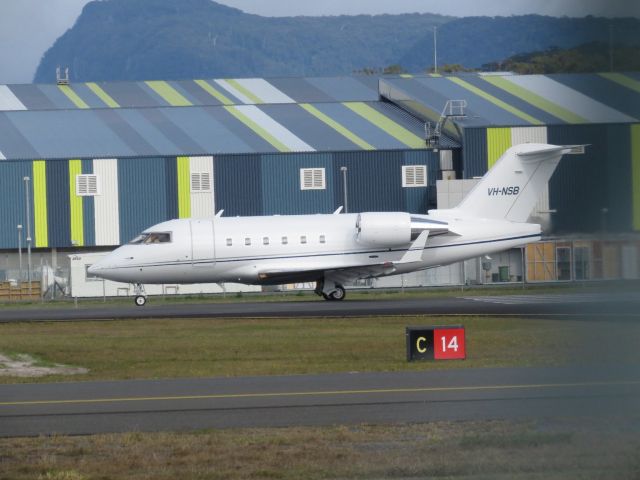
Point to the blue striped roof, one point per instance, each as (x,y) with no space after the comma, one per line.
(255,115)
(521,100)
(135,132)
(205,92)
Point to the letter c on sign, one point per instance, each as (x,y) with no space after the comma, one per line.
(418,347)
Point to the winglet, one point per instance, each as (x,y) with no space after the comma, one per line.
(219,214)
(414,252)
(338,210)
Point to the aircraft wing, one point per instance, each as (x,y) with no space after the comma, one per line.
(345,274)
(339,275)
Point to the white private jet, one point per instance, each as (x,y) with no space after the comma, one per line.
(333,249)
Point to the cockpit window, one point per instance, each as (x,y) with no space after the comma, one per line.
(152,237)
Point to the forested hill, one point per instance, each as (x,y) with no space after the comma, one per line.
(174,39)
(476,41)
(592,57)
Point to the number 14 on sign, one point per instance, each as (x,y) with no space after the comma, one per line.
(449,344)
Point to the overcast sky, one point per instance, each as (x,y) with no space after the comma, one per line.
(29,27)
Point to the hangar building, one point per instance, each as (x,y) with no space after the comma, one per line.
(106,160)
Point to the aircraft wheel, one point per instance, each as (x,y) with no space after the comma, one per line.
(338,294)
(140,300)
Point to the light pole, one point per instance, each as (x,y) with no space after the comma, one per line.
(344,188)
(435,50)
(27,195)
(20,253)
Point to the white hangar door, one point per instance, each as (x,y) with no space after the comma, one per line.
(202,242)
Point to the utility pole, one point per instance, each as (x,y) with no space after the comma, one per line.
(27,195)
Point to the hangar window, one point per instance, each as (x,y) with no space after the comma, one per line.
(414,176)
(312,179)
(87,185)
(200,182)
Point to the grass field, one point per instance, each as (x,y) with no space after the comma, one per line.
(480,450)
(170,348)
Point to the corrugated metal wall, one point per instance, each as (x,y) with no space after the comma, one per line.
(58,207)
(238,185)
(148,193)
(281,193)
(635,173)
(270,184)
(89,208)
(135,193)
(419,200)
(374,181)
(138,192)
(474,152)
(591,192)
(12,193)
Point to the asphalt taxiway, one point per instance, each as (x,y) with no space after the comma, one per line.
(457,394)
(191,404)
(615,305)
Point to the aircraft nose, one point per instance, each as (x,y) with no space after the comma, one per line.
(97,268)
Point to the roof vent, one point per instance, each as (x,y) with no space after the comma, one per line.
(62,79)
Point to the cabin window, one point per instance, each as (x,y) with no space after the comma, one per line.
(323,239)
(414,176)
(312,179)
(265,240)
(229,242)
(303,239)
(247,241)
(152,237)
(87,185)
(162,237)
(285,240)
(200,182)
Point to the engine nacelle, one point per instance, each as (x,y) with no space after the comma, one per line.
(383,229)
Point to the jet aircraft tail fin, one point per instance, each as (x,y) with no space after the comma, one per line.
(512,187)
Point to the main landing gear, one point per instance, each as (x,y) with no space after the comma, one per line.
(330,290)
(140,295)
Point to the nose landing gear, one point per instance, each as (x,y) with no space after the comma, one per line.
(140,295)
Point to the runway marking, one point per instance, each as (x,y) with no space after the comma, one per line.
(316,393)
(552,298)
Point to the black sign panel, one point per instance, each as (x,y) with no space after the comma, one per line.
(436,343)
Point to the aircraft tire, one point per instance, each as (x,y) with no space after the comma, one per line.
(140,300)
(338,294)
